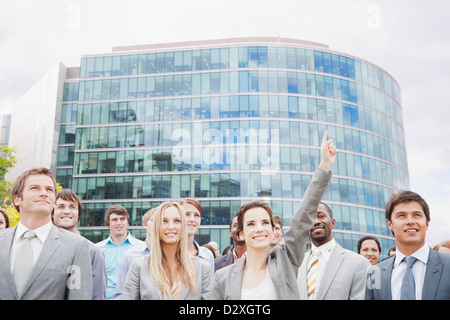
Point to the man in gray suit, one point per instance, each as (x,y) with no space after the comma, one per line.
(414,271)
(39,261)
(340,274)
(67,213)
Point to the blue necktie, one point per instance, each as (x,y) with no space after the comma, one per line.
(408,287)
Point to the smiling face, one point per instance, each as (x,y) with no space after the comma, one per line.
(257,228)
(369,249)
(65,214)
(409,224)
(171,226)
(321,232)
(193,218)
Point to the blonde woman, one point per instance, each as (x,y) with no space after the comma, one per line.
(169,272)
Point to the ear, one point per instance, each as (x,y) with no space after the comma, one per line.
(16,199)
(241,235)
(389,224)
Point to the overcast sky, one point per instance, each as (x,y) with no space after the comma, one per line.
(407,38)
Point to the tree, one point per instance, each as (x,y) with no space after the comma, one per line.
(8,160)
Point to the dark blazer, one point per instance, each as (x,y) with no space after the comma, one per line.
(436,284)
(223,261)
(62,270)
(285,259)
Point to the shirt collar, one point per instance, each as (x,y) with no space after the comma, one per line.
(325,249)
(128,239)
(41,232)
(421,254)
(236,258)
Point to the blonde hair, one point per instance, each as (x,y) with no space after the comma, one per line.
(156,262)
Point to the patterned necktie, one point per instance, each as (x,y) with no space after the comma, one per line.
(24,260)
(313,267)
(408,291)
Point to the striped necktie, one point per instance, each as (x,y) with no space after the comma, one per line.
(313,268)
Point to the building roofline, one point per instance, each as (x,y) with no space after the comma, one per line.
(221,42)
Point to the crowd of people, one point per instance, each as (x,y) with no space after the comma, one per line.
(44,256)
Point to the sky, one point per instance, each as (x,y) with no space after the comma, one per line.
(407,38)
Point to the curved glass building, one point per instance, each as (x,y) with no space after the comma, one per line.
(228,121)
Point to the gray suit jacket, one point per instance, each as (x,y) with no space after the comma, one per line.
(285,259)
(344,277)
(139,283)
(436,285)
(62,270)
(223,261)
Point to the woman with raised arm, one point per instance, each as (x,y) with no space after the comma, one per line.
(271,274)
(169,272)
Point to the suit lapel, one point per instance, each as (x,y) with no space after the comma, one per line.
(6,239)
(386,273)
(432,276)
(302,276)
(236,279)
(50,245)
(333,265)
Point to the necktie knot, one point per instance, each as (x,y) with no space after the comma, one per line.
(410,261)
(30,234)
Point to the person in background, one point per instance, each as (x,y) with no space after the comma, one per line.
(266,274)
(170,272)
(4,220)
(215,246)
(193,211)
(39,261)
(443,246)
(238,248)
(67,213)
(392,250)
(369,247)
(142,249)
(415,271)
(330,272)
(117,244)
(277,231)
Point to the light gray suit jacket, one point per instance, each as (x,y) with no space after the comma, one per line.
(285,259)
(62,270)
(344,277)
(436,285)
(139,283)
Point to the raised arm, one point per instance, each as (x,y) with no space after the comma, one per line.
(303,220)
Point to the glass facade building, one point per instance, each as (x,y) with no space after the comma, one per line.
(229,121)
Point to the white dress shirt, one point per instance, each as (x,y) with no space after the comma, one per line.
(418,270)
(324,256)
(37,243)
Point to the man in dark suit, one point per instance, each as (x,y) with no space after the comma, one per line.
(238,251)
(39,261)
(414,272)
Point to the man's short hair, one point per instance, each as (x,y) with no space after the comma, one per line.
(277,220)
(328,209)
(116,209)
(69,195)
(405,196)
(19,183)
